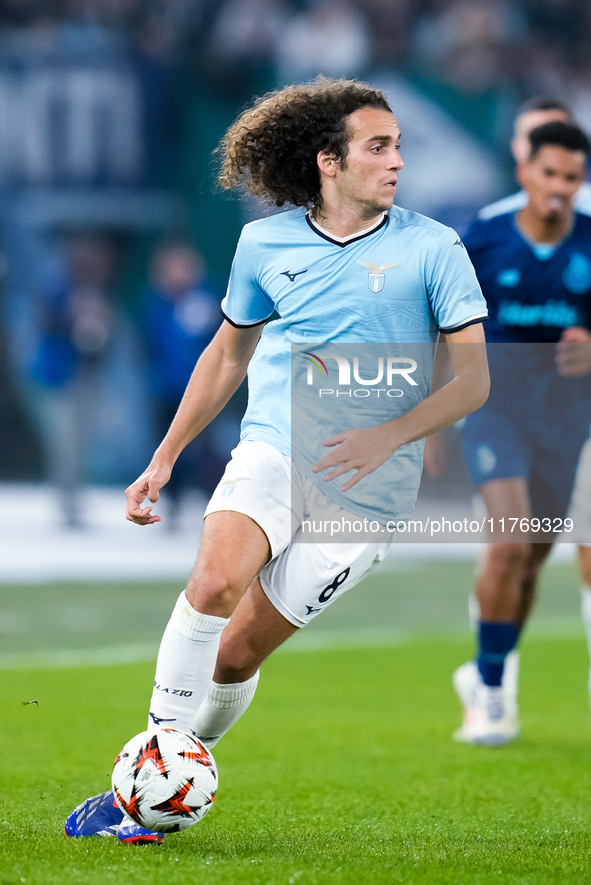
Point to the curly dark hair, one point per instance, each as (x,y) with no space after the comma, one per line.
(271,149)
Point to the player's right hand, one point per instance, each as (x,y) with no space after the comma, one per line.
(147,485)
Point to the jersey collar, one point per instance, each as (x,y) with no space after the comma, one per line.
(543,251)
(352,238)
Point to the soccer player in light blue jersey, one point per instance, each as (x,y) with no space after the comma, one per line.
(522,448)
(343,267)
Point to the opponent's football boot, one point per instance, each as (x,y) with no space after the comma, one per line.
(101,816)
(490,717)
(467,679)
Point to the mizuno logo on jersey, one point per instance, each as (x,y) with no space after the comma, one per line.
(291,276)
(377,277)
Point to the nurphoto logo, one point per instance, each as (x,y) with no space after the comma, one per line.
(388,369)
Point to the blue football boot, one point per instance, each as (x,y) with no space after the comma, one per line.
(101,816)
(98,816)
(133,834)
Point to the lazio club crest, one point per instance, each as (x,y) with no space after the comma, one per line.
(227,486)
(377,277)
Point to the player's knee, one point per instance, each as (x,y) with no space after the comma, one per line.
(214,591)
(510,559)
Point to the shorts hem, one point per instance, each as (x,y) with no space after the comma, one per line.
(278,604)
(244,511)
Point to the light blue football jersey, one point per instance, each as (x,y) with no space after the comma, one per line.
(391,290)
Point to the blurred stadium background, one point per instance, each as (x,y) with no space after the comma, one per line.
(109,112)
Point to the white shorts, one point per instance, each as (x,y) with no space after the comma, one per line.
(303,577)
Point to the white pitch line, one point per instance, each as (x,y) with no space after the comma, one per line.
(316,640)
(68,658)
(112,656)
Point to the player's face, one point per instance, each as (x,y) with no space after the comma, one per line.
(551,180)
(366,179)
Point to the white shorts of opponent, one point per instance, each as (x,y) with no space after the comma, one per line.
(302,577)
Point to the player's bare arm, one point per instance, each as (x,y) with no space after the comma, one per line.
(367,449)
(219,372)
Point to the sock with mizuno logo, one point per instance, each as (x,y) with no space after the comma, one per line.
(222,707)
(495,641)
(185,665)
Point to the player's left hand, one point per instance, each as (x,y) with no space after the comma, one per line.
(362,450)
(573,352)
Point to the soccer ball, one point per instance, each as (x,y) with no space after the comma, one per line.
(165,780)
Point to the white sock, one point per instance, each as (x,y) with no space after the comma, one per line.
(586,611)
(473,612)
(184,670)
(510,681)
(223,706)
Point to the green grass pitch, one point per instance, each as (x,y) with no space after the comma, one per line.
(342,771)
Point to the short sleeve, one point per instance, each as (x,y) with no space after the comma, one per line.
(456,298)
(245,304)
